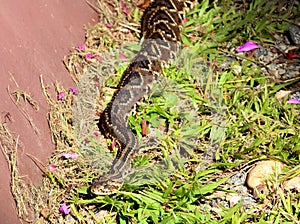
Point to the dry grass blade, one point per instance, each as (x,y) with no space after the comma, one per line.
(16,97)
(24,202)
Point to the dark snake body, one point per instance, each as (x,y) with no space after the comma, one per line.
(161,29)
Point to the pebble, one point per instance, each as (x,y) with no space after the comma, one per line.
(294,35)
(262,172)
(292,184)
(261,52)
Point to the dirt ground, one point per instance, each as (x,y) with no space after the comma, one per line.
(35,36)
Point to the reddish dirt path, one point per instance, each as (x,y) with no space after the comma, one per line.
(35,35)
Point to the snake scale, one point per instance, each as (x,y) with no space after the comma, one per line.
(161,27)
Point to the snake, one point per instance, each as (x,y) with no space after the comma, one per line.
(161,26)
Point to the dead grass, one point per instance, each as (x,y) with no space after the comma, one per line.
(22,194)
(20,98)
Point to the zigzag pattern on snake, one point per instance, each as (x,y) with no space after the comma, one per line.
(161,27)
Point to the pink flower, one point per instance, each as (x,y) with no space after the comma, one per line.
(61,95)
(74,90)
(90,56)
(108,25)
(185,20)
(52,167)
(64,209)
(80,47)
(248,46)
(99,58)
(113,144)
(87,140)
(69,155)
(123,57)
(125,10)
(294,101)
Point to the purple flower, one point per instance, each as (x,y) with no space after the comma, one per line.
(108,25)
(294,101)
(64,209)
(61,95)
(248,46)
(80,48)
(68,155)
(74,90)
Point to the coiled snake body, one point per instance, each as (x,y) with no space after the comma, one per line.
(161,27)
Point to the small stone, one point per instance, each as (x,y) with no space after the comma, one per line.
(237,179)
(261,174)
(260,52)
(237,69)
(281,94)
(293,183)
(233,199)
(294,35)
(281,71)
(282,47)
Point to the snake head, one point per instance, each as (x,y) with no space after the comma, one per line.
(105,186)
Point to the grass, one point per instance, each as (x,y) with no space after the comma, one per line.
(230,110)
